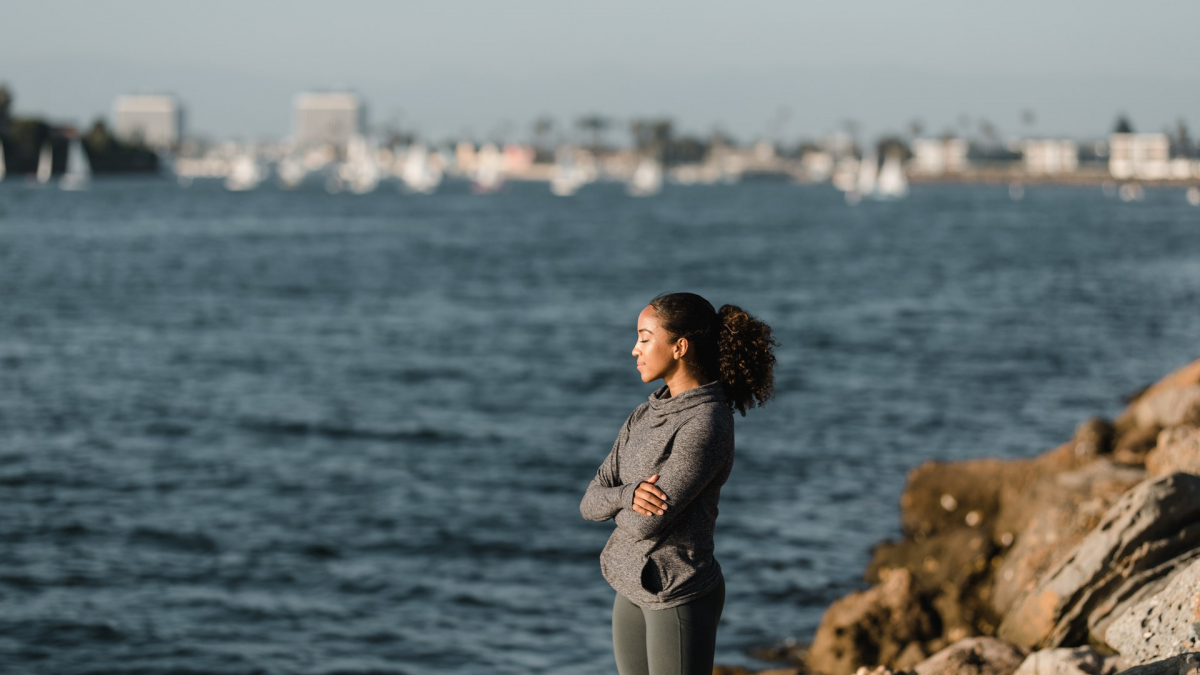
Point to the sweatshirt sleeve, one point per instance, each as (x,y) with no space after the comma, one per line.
(698,455)
(605,495)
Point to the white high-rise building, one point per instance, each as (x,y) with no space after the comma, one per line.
(153,119)
(1145,156)
(1048,156)
(937,156)
(331,118)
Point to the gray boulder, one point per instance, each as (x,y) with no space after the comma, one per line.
(1177,451)
(1163,625)
(1078,661)
(1184,664)
(1145,536)
(974,656)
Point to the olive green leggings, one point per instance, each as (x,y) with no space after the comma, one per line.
(676,641)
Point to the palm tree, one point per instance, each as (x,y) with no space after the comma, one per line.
(596,125)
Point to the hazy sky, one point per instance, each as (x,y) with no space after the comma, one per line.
(488,69)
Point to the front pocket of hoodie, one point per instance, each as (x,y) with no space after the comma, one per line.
(652,581)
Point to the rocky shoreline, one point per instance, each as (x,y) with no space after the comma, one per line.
(1083,560)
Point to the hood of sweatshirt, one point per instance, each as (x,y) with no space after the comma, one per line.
(664,404)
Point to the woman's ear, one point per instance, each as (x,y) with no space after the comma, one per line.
(681,348)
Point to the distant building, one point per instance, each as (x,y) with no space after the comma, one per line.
(155,120)
(1145,156)
(328,118)
(937,156)
(1044,157)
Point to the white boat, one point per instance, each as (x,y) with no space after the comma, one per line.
(891,184)
(647,179)
(868,171)
(845,174)
(79,169)
(45,165)
(568,175)
(489,170)
(291,172)
(360,173)
(419,174)
(245,174)
(3,166)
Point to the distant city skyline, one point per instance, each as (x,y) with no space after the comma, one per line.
(483,70)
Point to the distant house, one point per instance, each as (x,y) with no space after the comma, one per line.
(937,156)
(1144,156)
(328,118)
(1047,157)
(155,120)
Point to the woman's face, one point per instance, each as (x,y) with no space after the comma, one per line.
(658,354)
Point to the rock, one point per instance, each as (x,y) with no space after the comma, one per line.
(872,627)
(1177,451)
(943,496)
(1078,661)
(1162,625)
(974,656)
(1050,517)
(1133,445)
(1168,408)
(1183,377)
(949,566)
(1183,664)
(879,670)
(1158,408)
(1145,535)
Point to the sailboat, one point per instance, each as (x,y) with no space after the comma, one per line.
(891,184)
(360,172)
(45,165)
(79,169)
(647,179)
(291,172)
(418,174)
(568,175)
(245,174)
(489,170)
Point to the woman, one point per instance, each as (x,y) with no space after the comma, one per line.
(662,480)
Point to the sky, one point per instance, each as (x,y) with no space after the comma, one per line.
(780,70)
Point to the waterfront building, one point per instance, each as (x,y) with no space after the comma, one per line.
(937,156)
(331,118)
(153,119)
(1144,156)
(1048,156)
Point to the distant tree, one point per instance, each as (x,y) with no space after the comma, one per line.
(6,99)
(893,145)
(98,137)
(988,131)
(651,136)
(542,127)
(1123,126)
(595,125)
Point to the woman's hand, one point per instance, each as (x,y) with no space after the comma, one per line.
(649,500)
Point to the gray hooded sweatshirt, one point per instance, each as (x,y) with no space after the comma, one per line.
(665,561)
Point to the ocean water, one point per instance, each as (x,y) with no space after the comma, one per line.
(278,432)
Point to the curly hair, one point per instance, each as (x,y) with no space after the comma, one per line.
(729,345)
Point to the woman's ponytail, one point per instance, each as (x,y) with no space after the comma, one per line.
(729,345)
(746,358)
